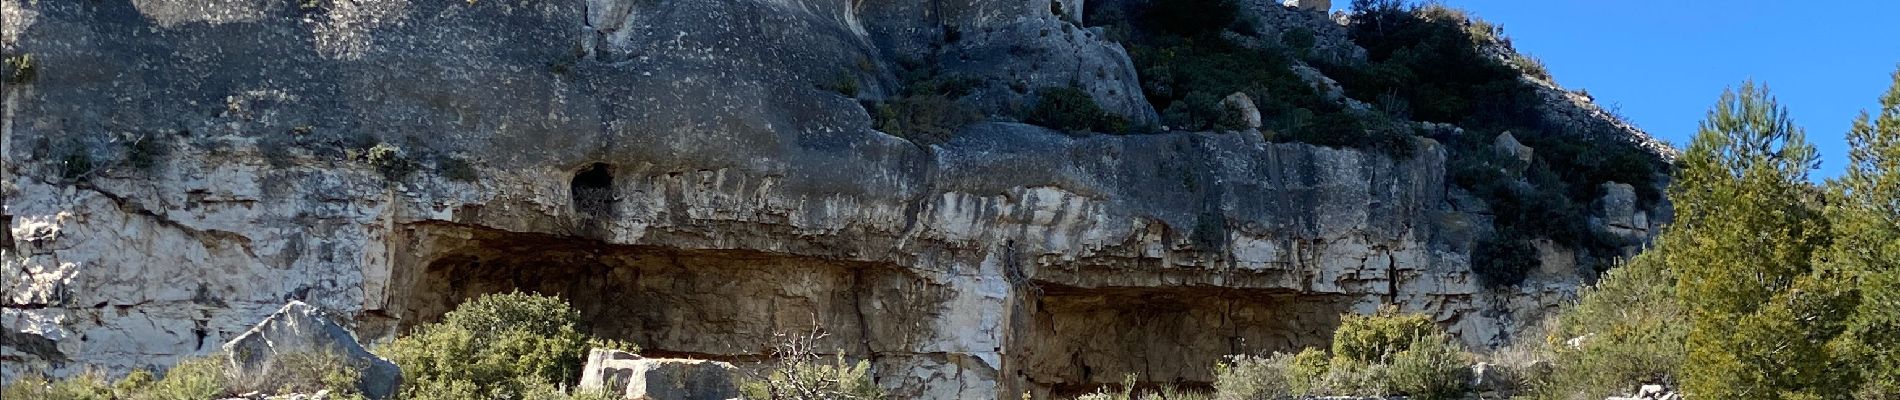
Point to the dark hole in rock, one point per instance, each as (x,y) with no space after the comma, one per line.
(593,190)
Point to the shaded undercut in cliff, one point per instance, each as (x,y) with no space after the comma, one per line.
(1079,340)
(723,305)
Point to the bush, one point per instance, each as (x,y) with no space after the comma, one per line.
(844,83)
(1128,392)
(1255,378)
(192,379)
(456,169)
(305,372)
(926,119)
(18,69)
(1347,129)
(1308,370)
(1432,367)
(1531,66)
(501,345)
(1503,261)
(1071,109)
(803,375)
(389,160)
(1376,338)
(1382,354)
(1625,330)
(1204,111)
(1345,377)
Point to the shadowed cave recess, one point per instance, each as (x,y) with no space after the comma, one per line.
(736,305)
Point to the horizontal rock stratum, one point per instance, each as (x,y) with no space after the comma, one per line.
(178,169)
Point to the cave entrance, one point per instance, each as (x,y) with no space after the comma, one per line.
(1080,340)
(710,304)
(593,190)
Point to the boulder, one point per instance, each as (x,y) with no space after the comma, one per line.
(1617,214)
(1488,378)
(302,328)
(630,376)
(1508,146)
(1240,103)
(1311,5)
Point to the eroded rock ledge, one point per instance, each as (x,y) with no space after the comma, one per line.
(687,184)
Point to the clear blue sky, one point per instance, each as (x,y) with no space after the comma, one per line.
(1664,62)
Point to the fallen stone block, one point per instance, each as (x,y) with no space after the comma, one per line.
(628,376)
(300,328)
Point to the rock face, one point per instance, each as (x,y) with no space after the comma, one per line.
(1241,104)
(677,170)
(1508,147)
(628,376)
(300,328)
(1311,5)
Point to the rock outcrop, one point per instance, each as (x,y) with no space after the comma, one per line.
(300,328)
(1311,5)
(628,376)
(679,170)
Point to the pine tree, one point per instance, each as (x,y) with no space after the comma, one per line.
(1750,226)
(1866,214)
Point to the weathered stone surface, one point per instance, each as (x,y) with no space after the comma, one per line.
(1011,47)
(1276,22)
(1508,147)
(1311,5)
(629,376)
(1243,105)
(300,328)
(224,177)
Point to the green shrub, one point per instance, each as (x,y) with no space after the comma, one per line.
(925,119)
(1432,367)
(1307,371)
(18,69)
(456,169)
(1346,377)
(1127,391)
(1376,338)
(85,386)
(496,345)
(1348,129)
(139,381)
(192,379)
(1300,39)
(1255,378)
(844,83)
(1382,354)
(807,378)
(143,152)
(1625,330)
(76,164)
(1503,261)
(1531,66)
(304,372)
(1073,110)
(389,160)
(1203,111)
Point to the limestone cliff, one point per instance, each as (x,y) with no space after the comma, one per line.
(176,170)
